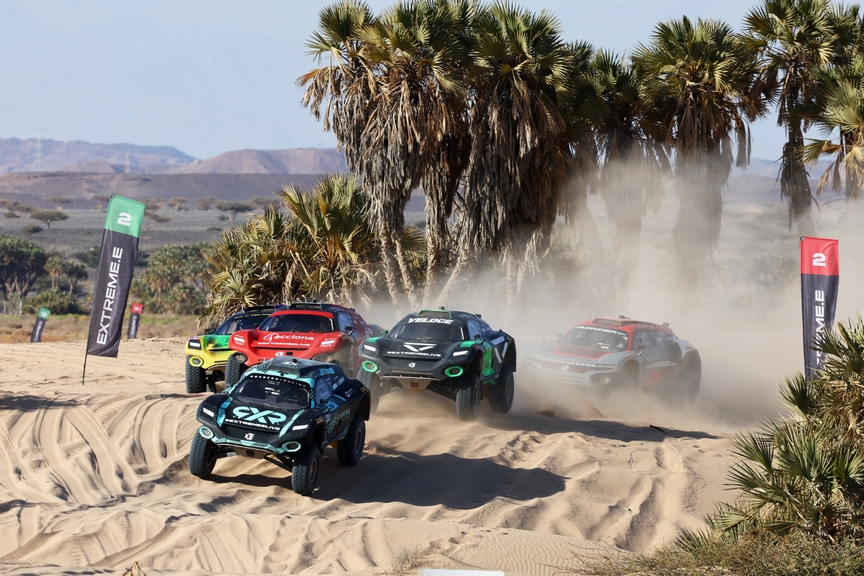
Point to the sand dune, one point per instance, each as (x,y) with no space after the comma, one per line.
(96,476)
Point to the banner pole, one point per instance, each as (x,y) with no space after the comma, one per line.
(84,370)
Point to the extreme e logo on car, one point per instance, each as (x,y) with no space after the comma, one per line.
(253,415)
(419,347)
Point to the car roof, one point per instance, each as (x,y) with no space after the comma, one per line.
(292,367)
(625,324)
(441,313)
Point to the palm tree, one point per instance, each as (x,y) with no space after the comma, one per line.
(634,159)
(794,38)
(418,130)
(702,78)
(840,96)
(323,247)
(520,155)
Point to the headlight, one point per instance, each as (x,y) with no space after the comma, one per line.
(328,343)
(194,343)
(460,353)
(207,412)
(369,348)
(239,339)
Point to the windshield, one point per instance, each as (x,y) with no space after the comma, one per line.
(435,329)
(242,322)
(295,322)
(273,391)
(593,338)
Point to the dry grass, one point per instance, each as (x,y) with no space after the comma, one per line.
(17,329)
(407,561)
(757,555)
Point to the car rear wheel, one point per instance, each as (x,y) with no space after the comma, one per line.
(234,369)
(689,377)
(201,459)
(468,397)
(196,379)
(501,394)
(304,473)
(350,448)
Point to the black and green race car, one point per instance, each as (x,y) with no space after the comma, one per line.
(454,354)
(207,354)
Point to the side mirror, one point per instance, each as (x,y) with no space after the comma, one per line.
(476,336)
(349,329)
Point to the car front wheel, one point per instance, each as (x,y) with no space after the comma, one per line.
(501,394)
(196,379)
(350,448)
(234,369)
(468,397)
(304,473)
(201,461)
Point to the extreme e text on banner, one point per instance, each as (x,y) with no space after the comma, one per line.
(820,280)
(114,275)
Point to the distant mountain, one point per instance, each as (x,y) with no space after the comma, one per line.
(18,155)
(292,161)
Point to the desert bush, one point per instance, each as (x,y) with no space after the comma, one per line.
(57,301)
(805,473)
(31,229)
(10,214)
(21,263)
(49,216)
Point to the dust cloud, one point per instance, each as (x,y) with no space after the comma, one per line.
(743,314)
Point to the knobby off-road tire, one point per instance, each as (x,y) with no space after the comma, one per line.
(233,370)
(688,377)
(501,394)
(304,473)
(196,379)
(371,382)
(468,397)
(350,448)
(201,459)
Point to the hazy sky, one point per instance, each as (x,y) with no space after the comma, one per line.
(208,76)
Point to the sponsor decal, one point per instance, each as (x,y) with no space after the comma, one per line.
(419,347)
(252,414)
(606,330)
(271,336)
(430,320)
(336,419)
(404,353)
(661,364)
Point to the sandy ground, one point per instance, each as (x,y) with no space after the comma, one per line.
(96,476)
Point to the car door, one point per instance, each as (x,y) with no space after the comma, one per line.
(653,355)
(345,325)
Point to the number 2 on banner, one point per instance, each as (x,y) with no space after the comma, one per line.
(125,219)
(819,259)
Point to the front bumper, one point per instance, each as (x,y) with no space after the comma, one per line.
(206,359)
(569,370)
(413,374)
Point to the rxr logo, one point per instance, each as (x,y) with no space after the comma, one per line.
(419,347)
(250,414)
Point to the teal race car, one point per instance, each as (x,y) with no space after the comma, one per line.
(451,353)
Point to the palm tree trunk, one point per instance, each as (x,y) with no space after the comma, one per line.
(794,185)
(391,265)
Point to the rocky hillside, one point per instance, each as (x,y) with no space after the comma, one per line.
(18,155)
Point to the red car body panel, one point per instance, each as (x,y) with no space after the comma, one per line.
(259,345)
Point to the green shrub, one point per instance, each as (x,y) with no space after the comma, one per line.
(57,301)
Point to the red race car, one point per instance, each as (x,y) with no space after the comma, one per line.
(321,332)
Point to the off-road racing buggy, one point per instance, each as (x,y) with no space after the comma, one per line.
(454,354)
(206,354)
(311,330)
(608,354)
(286,411)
